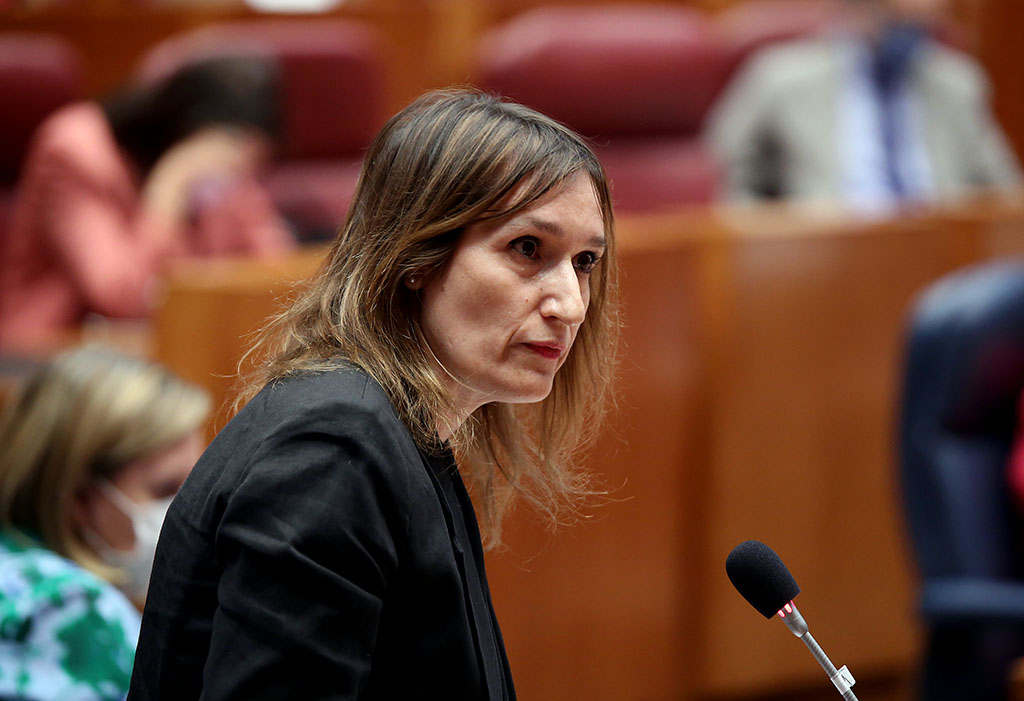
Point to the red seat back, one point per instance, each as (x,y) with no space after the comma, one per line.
(637,80)
(38,74)
(332,77)
(608,70)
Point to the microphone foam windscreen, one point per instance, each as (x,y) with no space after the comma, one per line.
(759,575)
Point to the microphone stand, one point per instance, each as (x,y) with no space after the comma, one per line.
(841,677)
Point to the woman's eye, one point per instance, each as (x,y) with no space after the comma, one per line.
(586,261)
(526,246)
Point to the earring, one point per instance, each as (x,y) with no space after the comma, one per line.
(412,282)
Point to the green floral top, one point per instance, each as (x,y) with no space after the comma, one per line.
(64,633)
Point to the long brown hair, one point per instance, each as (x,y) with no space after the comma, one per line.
(447,160)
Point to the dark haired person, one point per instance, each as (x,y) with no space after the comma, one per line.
(109,193)
(873,115)
(461,333)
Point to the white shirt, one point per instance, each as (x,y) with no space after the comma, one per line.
(864,175)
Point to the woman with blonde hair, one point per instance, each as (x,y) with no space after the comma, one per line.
(92,447)
(462,327)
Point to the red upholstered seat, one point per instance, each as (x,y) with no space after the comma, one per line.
(316,193)
(38,74)
(637,80)
(658,172)
(333,92)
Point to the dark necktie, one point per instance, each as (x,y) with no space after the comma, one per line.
(889,115)
(892,60)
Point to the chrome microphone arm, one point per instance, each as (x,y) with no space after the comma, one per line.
(842,678)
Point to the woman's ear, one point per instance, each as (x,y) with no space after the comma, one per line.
(414,281)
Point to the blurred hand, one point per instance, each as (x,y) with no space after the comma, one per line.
(211,154)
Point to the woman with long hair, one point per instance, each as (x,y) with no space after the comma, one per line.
(460,334)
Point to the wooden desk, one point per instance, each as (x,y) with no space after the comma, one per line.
(759,385)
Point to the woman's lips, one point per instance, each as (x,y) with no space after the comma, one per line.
(551,352)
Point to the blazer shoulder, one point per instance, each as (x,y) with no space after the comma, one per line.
(314,397)
(344,405)
(307,432)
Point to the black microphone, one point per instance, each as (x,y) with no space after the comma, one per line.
(760,577)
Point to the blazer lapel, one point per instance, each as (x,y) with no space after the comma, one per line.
(441,474)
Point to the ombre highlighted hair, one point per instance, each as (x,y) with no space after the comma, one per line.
(449,159)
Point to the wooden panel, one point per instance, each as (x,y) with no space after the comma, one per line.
(801,455)
(209,310)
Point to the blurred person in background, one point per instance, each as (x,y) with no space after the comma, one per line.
(110,192)
(873,115)
(93,446)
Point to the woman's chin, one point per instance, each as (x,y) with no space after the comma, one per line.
(531,393)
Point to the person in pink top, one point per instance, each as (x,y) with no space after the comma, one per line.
(111,192)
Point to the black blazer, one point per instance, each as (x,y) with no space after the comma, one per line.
(315,553)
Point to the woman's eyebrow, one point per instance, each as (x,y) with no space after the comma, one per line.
(554,228)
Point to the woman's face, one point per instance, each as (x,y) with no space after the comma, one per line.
(504,312)
(150,478)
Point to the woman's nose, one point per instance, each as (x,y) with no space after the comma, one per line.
(566,295)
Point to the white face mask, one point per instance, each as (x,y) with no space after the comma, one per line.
(137,563)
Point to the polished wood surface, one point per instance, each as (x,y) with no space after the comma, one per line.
(759,382)
(210,309)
